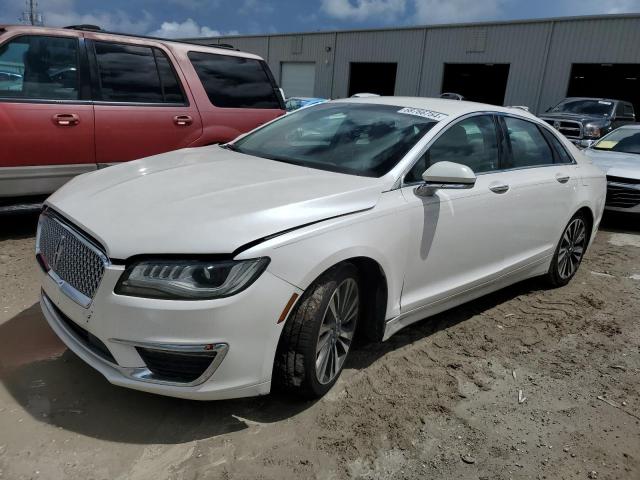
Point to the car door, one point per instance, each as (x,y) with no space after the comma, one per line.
(141,105)
(542,180)
(457,235)
(46,116)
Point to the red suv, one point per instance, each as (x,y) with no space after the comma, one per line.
(76,99)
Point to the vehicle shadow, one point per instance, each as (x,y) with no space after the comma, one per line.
(618,222)
(57,388)
(54,386)
(17,226)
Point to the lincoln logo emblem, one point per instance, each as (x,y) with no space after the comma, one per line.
(556,125)
(58,252)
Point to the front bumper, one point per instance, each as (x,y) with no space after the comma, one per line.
(240,333)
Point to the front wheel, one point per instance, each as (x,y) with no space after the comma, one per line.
(317,338)
(569,252)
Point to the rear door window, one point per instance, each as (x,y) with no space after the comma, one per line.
(528,146)
(136,74)
(39,67)
(235,82)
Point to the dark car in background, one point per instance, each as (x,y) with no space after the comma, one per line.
(585,120)
(75,99)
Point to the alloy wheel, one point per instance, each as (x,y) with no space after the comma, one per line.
(336,331)
(572,248)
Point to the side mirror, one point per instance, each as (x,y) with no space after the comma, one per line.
(446,175)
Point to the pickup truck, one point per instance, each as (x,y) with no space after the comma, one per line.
(585,120)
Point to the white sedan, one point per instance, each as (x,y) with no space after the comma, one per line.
(217,272)
(618,154)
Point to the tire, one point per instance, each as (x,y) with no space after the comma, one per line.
(569,252)
(314,346)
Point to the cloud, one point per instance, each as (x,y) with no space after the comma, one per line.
(117,21)
(456,11)
(597,7)
(360,10)
(186,29)
(256,7)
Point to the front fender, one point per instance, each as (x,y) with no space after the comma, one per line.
(380,234)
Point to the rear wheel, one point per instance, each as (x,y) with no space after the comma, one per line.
(317,338)
(569,252)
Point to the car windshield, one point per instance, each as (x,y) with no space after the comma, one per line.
(585,107)
(626,140)
(358,139)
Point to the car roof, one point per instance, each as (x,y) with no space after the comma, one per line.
(114,36)
(593,98)
(453,108)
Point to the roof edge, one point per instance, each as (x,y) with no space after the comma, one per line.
(611,16)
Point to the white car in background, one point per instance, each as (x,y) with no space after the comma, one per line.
(217,272)
(618,154)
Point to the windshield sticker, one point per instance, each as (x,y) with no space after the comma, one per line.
(607,144)
(604,103)
(421,112)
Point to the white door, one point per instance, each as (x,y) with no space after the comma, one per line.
(458,236)
(542,183)
(298,79)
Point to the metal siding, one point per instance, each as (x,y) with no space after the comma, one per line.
(314,49)
(402,47)
(615,40)
(255,45)
(521,46)
(540,54)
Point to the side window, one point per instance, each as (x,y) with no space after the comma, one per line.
(627,110)
(131,73)
(528,147)
(471,142)
(171,90)
(234,82)
(39,67)
(562,156)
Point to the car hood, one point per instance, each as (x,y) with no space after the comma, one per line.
(577,117)
(616,164)
(205,200)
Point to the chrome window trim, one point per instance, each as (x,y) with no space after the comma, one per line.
(401,183)
(71,292)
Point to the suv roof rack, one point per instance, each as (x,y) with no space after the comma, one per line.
(86,27)
(96,28)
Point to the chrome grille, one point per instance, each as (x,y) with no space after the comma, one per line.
(622,195)
(568,128)
(70,256)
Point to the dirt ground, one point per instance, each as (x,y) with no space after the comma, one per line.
(440,400)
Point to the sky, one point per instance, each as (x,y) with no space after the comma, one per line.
(196,18)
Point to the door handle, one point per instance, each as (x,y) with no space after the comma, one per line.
(562,178)
(66,119)
(182,120)
(499,187)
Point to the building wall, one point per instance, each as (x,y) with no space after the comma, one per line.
(540,53)
(614,40)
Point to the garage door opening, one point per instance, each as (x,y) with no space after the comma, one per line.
(618,81)
(478,82)
(377,78)
(298,79)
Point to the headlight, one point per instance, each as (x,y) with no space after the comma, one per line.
(594,130)
(189,279)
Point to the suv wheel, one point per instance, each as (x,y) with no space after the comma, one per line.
(318,335)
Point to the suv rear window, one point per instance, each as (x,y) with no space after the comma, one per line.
(131,73)
(234,82)
(39,67)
